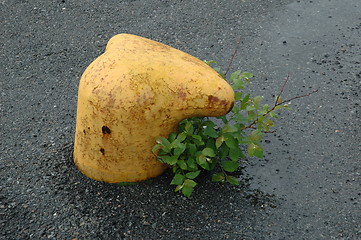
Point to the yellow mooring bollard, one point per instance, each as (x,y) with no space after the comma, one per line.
(136,90)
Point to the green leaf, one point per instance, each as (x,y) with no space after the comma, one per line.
(218,177)
(191,163)
(235,154)
(264,109)
(163,151)
(244,139)
(188,186)
(211,164)
(278,99)
(187,191)
(240,119)
(273,114)
(209,124)
(257,100)
(232,180)
(182,136)
(171,160)
(202,161)
(217,69)
(209,152)
(235,75)
(235,110)
(238,96)
(224,151)
(211,143)
(197,140)
(211,132)
(237,79)
(256,136)
(250,108)
(179,187)
(178,179)
(182,164)
(192,175)
(246,98)
(260,119)
(172,136)
(192,149)
(251,148)
(229,128)
(269,123)
(231,142)
(210,62)
(156,147)
(251,115)
(258,152)
(180,149)
(238,83)
(189,128)
(219,141)
(230,166)
(163,141)
(255,150)
(246,75)
(285,106)
(189,183)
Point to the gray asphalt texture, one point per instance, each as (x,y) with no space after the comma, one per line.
(308,186)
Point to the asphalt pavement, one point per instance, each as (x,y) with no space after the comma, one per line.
(308,186)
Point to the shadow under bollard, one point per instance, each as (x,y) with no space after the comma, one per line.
(151,207)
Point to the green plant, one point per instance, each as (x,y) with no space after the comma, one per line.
(200,144)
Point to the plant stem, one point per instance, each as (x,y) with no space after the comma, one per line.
(280,103)
(282,89)
(232,58)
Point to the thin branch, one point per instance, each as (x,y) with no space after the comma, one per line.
(282,89)
(280,103)
(232,58)
(302,96)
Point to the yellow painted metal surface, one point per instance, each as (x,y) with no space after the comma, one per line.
(136,90)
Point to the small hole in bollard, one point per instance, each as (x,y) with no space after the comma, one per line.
(102,151)
(106,130)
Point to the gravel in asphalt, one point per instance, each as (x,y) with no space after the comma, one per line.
(308,186)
